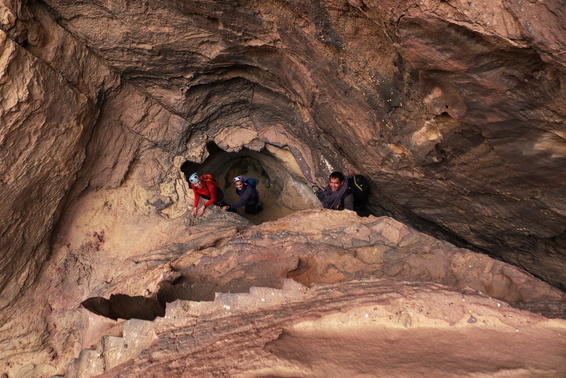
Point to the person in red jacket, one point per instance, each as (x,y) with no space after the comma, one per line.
(208,190)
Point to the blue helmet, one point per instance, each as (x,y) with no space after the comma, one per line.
(194,178)
(240,178)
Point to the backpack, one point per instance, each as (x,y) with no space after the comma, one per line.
(210,179)
(252,181)
(359,186)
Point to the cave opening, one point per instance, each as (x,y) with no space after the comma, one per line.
(282,188)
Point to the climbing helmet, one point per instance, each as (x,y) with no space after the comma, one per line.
(194,178)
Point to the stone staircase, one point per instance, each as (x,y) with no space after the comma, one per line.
(139,334)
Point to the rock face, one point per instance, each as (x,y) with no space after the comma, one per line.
(42,147)
(334,330)
(264,299)
(453,110)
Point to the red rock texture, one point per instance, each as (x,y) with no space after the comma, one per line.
(413,286)
(453,110)
(373,327)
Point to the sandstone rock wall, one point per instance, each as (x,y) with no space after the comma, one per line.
(453,109)
(50,100)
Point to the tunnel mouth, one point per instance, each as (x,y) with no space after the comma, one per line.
(281,190)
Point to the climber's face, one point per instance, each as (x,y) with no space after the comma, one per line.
(198,184)
(335,184)
(239,185)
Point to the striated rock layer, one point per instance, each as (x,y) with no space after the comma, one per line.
(372,328)
(453,110)
(355,282)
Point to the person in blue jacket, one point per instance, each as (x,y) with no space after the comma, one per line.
(249,196)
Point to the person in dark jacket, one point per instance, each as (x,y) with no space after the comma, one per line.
(336,195)
(249,197)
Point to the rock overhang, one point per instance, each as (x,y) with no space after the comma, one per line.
(401,94)
(467,145)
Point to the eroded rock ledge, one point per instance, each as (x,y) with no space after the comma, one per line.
(375,327)
(454,110)
(344,279)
